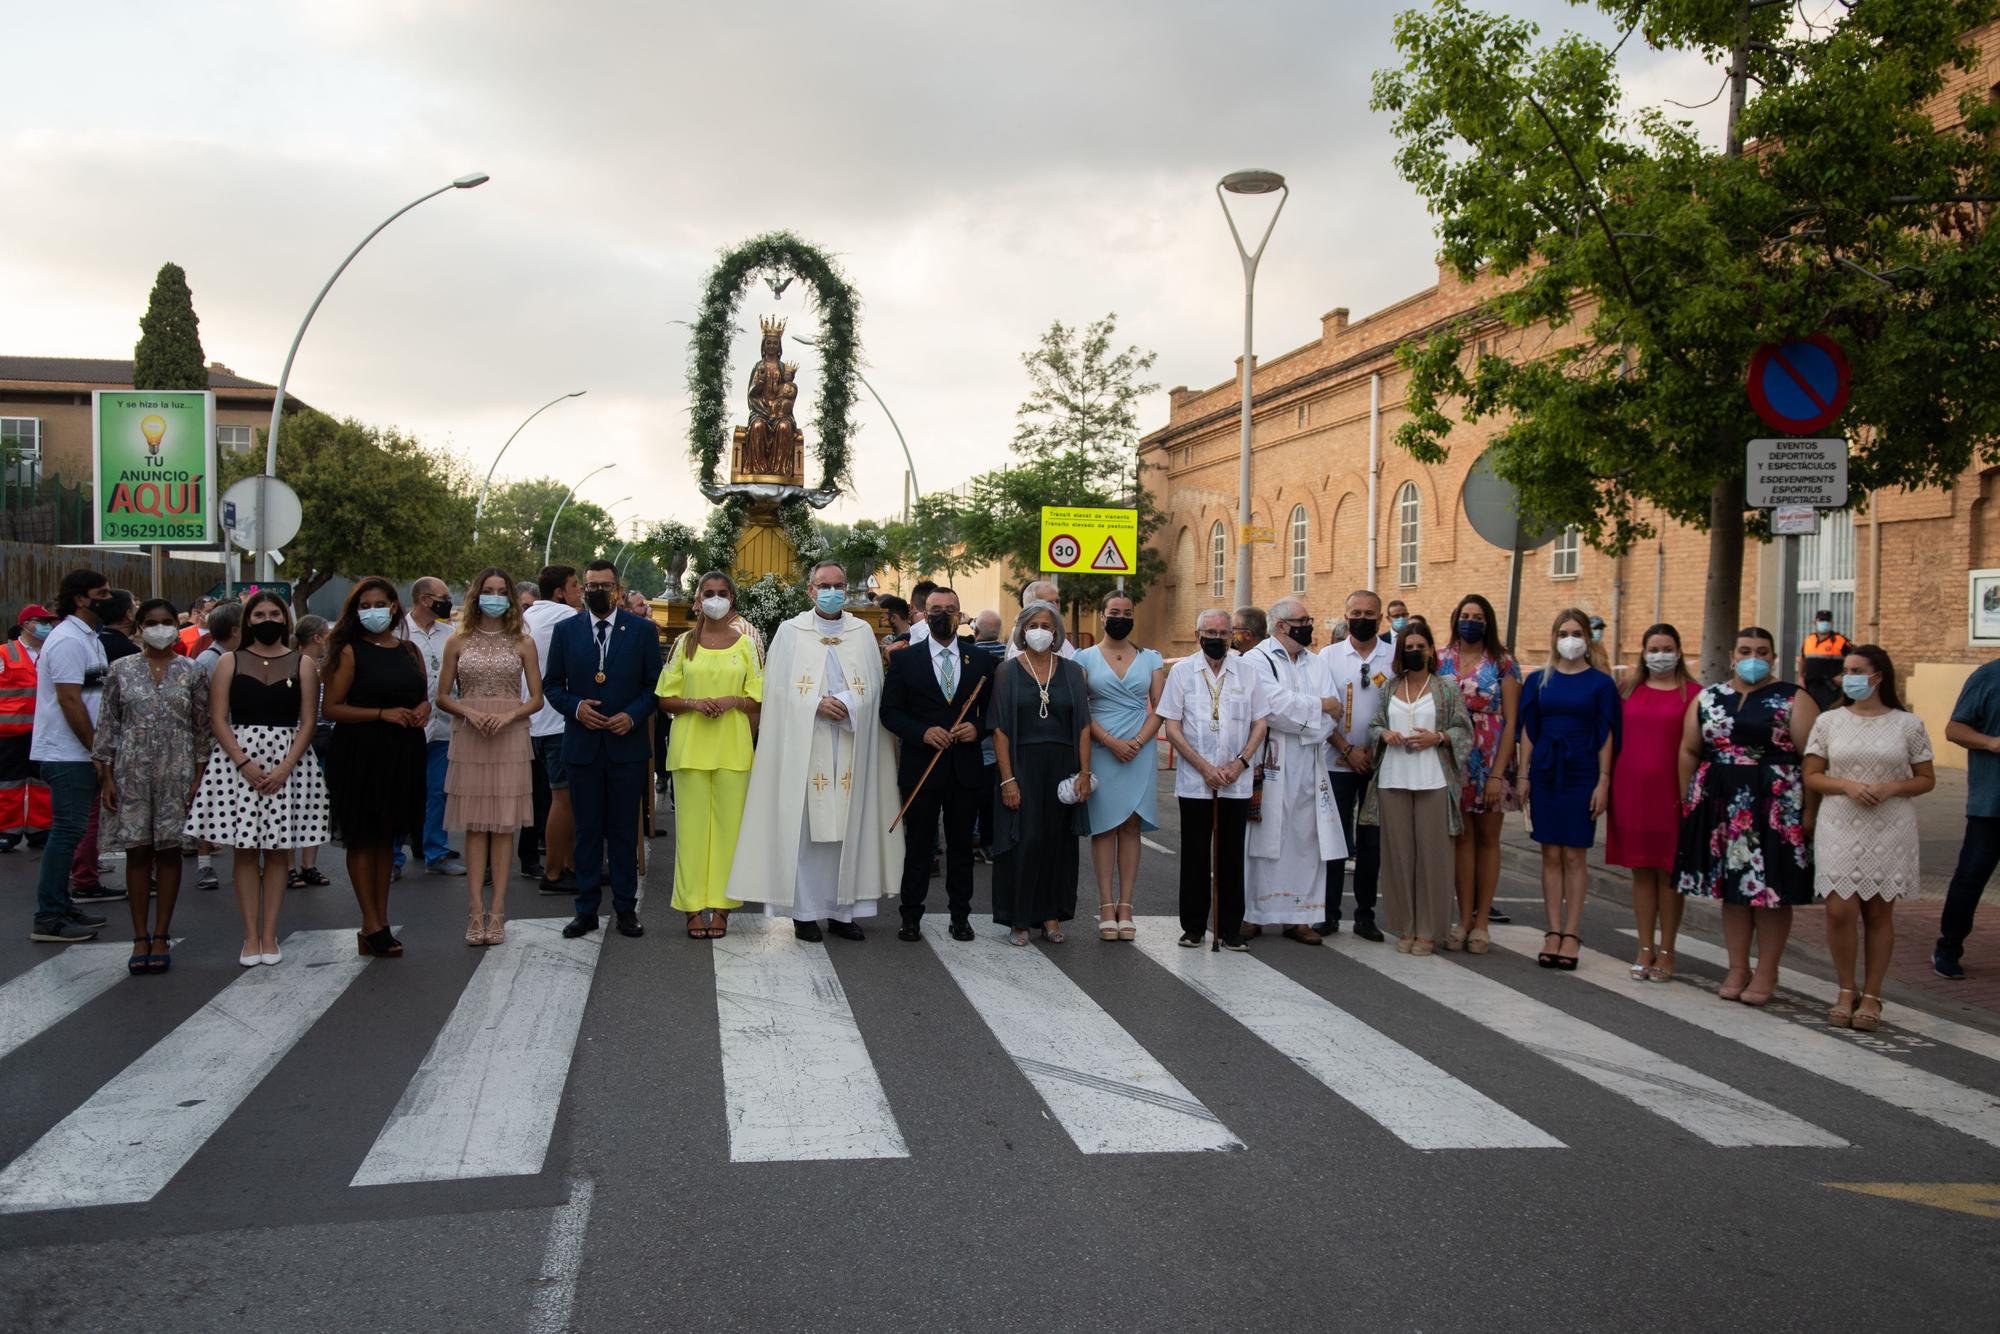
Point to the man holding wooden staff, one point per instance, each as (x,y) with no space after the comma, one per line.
(934,698)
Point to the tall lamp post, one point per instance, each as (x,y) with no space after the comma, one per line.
(550,542)
(1248,183)
(480,508)
(264,566)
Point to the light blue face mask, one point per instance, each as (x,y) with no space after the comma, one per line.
(1752,670)
(1399,623)
(494,604)
(376,619)
(1856,686)
(830,601)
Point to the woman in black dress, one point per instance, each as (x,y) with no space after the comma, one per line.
(1041,735)
(377,694)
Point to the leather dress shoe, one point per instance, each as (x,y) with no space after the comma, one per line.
(1327,928)
(628,924)
(961,931)
(808,931)
(563,884)
(1368,931)
(847,930)
(579,926)
(910,931)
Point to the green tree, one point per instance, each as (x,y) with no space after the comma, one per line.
(169,353)
(1663,263)
(514,529)
(374,502)
(932,540)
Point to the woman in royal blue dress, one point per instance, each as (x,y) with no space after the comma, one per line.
(1569,732)
(1125,684)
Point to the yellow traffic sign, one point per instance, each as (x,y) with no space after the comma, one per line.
(1089,541)
(1250,533)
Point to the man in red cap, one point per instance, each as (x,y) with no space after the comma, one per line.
(24,797)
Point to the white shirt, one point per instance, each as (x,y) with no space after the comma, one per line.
(72,655)
(920,631)
(1358,681)
(1215,711)
(430,643)
(1411,770)
(942,651)
(541,620)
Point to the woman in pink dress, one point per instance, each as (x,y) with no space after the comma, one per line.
(1645,816)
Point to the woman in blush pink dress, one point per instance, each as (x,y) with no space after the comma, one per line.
(1645,816)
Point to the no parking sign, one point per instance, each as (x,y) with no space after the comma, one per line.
(1799,387)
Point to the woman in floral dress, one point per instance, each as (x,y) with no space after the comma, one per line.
(1747,826)
(1489,681)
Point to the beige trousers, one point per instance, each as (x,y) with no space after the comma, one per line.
(1419,873)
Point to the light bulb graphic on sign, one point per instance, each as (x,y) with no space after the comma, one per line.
(154,428)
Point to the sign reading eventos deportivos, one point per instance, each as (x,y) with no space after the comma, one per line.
(153,456)
(1089,541)
(1797,472)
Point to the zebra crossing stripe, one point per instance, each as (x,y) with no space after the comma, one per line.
(1408,1096)
(1840,1060)
(1106,1090)
(127,1142)
(1963,1036)
(1703,1107)
(484,1102)
(796,1076)
(52,990)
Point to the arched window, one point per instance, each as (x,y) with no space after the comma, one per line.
(1298,548)
(1218,560)
(1408,514)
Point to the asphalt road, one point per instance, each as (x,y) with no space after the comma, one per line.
(1453,1143)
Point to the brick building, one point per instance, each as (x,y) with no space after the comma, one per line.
(1349,509)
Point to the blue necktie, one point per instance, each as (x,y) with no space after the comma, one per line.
(950,675)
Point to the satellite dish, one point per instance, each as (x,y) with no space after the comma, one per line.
(1493,508)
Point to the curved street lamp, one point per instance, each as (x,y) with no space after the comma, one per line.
(467,182)
(1248,183)
(480,508)
(549,543)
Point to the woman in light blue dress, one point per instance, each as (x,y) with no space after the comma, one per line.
(1125,685)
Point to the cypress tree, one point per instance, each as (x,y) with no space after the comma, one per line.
(169,353)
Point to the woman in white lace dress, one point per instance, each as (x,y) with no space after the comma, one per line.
(1868,760)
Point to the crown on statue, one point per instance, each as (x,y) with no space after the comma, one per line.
(772,327)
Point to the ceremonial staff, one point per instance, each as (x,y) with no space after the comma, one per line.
(978,686)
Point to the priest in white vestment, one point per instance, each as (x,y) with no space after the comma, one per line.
(1299,833)
(814,845)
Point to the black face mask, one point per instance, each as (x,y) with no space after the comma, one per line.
(1117,627)
(1215,647)
(1302,635)
(1415,660)
(943,624)
(267,632)
(1361,628)
(598,600)
(441,608)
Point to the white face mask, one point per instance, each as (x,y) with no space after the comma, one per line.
(160,637)
(1039,639)
(1662,663)
(715,608)
(1572,647)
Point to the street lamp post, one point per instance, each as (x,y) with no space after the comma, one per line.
(264,568)
(549,543)
(480,508)
(907,460)
(1248,183)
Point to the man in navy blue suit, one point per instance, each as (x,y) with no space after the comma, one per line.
(924,688)
(603,668)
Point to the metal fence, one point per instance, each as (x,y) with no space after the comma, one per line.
(45,511)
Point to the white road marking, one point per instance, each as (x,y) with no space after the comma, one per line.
(1157,847)
(1964,1036)
(1411,1098)
(562,1260)
(127,1142)
(1704,1107)
(1101,1085)
(49,992)
(796,1075)
(484,1102)
(1843,1062)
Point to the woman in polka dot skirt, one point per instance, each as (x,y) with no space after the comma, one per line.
(262,793)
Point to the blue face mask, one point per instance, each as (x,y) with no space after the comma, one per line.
(1752,670)
(1856,687)
(830,601)
(375,619)
(1397,623)
(494,604)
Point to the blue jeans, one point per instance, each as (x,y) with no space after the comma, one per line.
(437,755)
(72,798)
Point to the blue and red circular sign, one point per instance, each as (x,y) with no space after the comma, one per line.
(1799,387)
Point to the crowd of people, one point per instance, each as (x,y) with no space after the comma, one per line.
(816,775)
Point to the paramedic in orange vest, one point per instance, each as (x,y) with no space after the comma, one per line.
(1821,660)
(24,797)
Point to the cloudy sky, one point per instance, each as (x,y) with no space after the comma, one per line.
(979,170)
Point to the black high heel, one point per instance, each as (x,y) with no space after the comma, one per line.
(1547,958)
(1566,963)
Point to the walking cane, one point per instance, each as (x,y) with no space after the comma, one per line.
(978,686)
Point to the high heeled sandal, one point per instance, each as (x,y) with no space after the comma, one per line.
(1127,928)
(164,960)
(140,963)
(1867,1021)
(1547,958)
(1660,972)
(1454,939)
(1640,970)
(1842,1016)
(1107,921)
(697,927)
(1054,937)
(1477,941)
(1732,991)
(1566,963)
(496,928)
(475,928)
